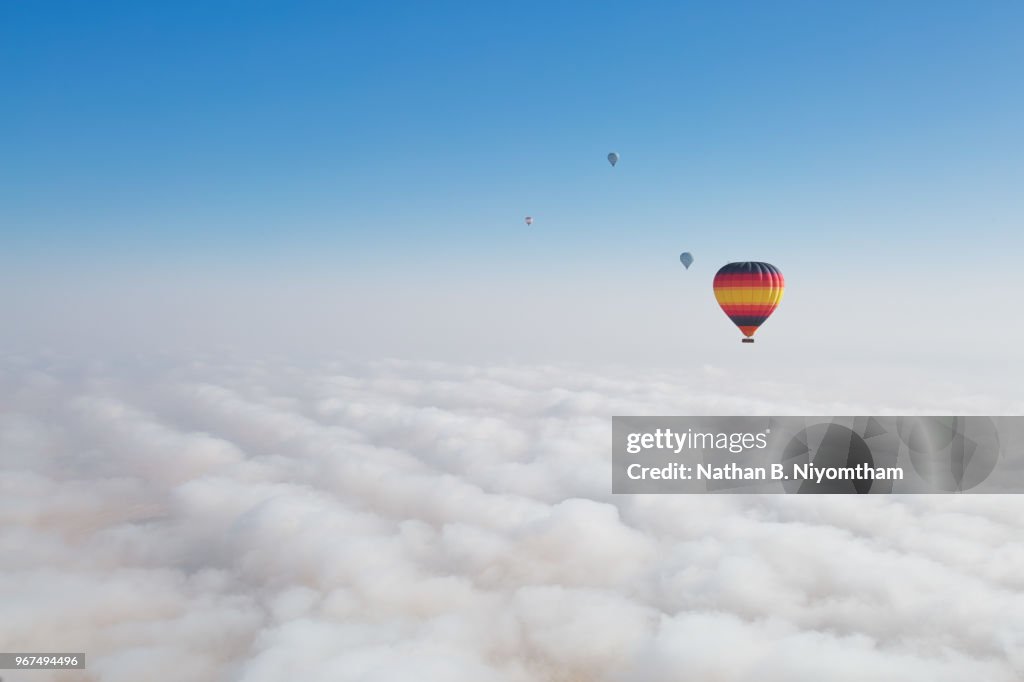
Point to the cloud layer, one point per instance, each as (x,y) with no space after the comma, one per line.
(215,520)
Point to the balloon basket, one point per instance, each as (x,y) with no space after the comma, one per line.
(747,340)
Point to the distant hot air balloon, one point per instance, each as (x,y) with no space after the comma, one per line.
(613,159)
(529,220)
(686,259)
(749,293)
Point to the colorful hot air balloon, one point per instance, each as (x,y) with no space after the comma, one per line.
(686,259)
(749,293)
(529,220)
(613,159)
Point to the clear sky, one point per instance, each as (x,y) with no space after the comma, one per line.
(377,159)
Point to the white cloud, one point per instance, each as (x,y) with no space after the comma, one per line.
(380,521)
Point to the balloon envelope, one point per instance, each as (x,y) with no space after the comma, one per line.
(686,259)
(529,220)
(749,293)
(613,158)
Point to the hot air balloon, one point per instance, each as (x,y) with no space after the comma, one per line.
(613,159)
(749,293)
(686,259)
(529,220)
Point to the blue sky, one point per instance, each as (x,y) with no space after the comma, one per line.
(404,142)
(226,125)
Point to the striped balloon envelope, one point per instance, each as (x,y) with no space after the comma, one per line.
(749,293)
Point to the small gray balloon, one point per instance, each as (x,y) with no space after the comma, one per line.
(613,158)
(686,259)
